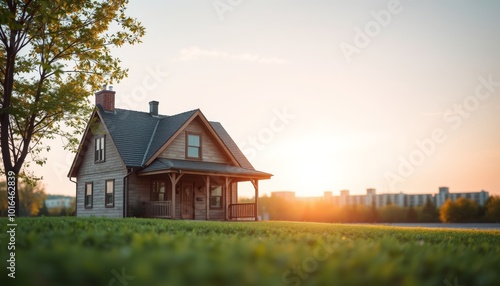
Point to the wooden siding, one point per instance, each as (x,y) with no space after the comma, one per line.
(98,173)
(210,150)
(217,214)
(200,200)
(200,205)
(138,192)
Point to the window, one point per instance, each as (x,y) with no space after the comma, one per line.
(109,196)
(158,191)
(88,195)
(99,149)
(193,146)
(215,197)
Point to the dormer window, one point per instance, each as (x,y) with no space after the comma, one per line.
(193,146)
(100,149)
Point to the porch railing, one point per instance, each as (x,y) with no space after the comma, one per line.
(241,210)
(159,209)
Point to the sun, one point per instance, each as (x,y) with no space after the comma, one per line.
(311,170)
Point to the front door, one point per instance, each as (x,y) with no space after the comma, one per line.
(187,207)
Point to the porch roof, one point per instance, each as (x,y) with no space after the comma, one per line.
(163,165)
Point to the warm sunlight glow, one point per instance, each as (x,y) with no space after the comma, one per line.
(317,164)
(325,104)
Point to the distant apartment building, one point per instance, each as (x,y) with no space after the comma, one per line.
(400,199)
(379,200)
(444,193)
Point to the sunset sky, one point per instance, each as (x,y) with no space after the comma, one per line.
(327,95)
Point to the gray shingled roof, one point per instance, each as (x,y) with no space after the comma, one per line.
(138,135)
(228,141)
(162,164)
(131,132)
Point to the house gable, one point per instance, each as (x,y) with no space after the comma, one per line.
(96,173)
(210,148)
(112,159)
(82,147)
(95,128)
(217,150)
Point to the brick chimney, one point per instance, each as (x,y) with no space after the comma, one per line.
(106,98)
(153,107)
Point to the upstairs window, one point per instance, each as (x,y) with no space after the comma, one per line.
(100,149)
(88,195)
(109,196)
(193,146)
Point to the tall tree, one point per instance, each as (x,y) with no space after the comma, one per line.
(53,55)
(429,212)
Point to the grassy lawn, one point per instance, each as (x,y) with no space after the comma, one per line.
(98,251)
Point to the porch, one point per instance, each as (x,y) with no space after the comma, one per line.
(157,209)
(181,189)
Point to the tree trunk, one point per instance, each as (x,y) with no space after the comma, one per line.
(8,84)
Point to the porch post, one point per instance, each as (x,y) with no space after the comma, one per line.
(227,189)
(255,184)
(174,179)
(207,187)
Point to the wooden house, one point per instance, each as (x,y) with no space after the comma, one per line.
(132,163)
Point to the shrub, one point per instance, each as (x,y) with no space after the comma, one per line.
(461,210)
(493,209)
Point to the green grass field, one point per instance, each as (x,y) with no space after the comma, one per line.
(98,251)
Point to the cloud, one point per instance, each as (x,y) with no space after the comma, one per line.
(195,53)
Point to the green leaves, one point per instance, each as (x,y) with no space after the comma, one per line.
(53,56)
(461,210)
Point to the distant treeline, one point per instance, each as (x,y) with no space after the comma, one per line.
(32,201)
(461,210)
